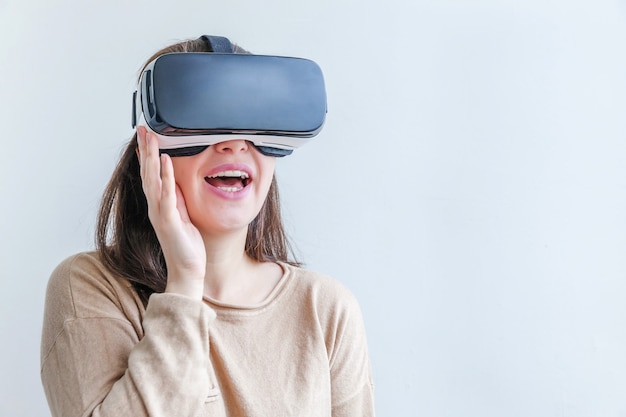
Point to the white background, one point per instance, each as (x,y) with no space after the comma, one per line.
(469,185)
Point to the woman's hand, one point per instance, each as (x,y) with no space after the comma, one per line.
(182,244)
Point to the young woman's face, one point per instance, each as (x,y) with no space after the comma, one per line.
(224,186)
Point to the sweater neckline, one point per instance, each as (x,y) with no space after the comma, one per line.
(267,302)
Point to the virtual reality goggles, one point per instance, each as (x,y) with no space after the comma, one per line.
(193,100)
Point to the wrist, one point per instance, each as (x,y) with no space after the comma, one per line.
(193,288)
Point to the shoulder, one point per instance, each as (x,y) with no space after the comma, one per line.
(325,294)
(331,306)
(83,263)
(86,305)
(81,286)
(318,282)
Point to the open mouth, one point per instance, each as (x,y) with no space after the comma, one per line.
(229,181)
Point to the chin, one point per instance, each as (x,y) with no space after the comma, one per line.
(223,227)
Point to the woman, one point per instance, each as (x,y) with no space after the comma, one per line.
(191,306)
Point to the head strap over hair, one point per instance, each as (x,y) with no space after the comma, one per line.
(218,44)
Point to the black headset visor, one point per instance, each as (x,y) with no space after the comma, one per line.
(193,100)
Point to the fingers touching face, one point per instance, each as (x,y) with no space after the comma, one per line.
(222,187)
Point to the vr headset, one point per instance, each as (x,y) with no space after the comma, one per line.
(194,100)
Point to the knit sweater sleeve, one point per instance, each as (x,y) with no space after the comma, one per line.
(352,389)
(103,356)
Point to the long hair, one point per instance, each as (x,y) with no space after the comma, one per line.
(125,239)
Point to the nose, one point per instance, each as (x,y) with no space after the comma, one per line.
(232,146)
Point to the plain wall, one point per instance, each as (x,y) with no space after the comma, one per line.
(469,185)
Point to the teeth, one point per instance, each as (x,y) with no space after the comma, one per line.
(231,189)
(231,174)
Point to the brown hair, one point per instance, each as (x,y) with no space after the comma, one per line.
(125,238)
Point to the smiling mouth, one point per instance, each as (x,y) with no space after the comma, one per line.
(229,181)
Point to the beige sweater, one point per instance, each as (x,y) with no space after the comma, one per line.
(303,352)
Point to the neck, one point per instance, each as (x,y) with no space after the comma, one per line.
(232,276)
(227,264)
(224,253)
